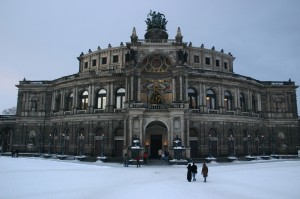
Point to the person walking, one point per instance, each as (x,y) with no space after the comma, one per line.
(138,163)
(126,160)
(204,171)
(189,172)
(145,156)
(13,152)
(194,171)
(17,153)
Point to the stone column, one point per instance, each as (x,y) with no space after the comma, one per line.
(125,134)
(220,99)
(186,88)
(258,102)
(131,87)
(249,100)
(173,90)
(236,97)
(139,88)
(90,98)
(76,98)
(130,130)
(111,92)
(171,135)
(182,130)
(53,101)
(141,130)
(62,105)
(200,96)
(93,96)
(187,132)
(180,87)
(126,89)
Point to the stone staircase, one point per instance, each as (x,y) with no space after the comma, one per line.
(156,162)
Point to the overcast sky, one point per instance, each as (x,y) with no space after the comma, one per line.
(40,40)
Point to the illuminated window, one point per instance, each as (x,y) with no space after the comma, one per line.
(192,94)
(120,98)
(84,100)
(210,99)
(101,99)
(227,100)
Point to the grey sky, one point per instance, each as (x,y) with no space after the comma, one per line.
(40,40)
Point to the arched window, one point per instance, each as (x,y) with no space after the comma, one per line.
(254,104)
(211,99)
(193,132)
(230,133)
(84,100)
(213,133)
(120,98)
(119,132)
(192,94)
(32,137)
(57,102)
(242,102)
(101,99)
(34,102)
(228,100)
(69,102)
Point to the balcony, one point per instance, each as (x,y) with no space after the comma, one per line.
(81,111)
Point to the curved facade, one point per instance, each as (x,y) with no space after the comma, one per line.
(155,89)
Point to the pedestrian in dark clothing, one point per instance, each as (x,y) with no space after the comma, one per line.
(194,171)
(13,153)
(138,163)
(145,156)
(189,172)
(204,171)
(126,160)
(17,153)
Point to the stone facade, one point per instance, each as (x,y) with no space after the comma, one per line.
(155,89)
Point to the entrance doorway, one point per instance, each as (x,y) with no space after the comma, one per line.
(156,144)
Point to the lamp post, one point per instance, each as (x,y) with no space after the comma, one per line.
(249,144)
(231,140)
(147,147)
(102,146)
(49,144)
(81,139)
(262,139)
(209,145)
(62,144)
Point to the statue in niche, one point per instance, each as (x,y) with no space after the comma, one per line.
(180,55)
(130,56)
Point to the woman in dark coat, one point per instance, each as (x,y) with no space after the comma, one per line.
(204,171)
(189,172)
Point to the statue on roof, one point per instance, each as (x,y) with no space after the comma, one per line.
(156,21)
(156,27)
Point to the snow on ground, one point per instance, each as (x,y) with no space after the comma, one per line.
(37,178)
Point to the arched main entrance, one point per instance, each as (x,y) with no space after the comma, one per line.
(5,140)
(156,138)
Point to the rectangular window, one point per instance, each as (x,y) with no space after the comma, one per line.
(86,64)
(196,59)
(94,62)
(218,63)
(115,58)
(104,60)
(225,65)
(207,60)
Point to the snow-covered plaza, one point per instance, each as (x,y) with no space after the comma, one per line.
(38,178)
